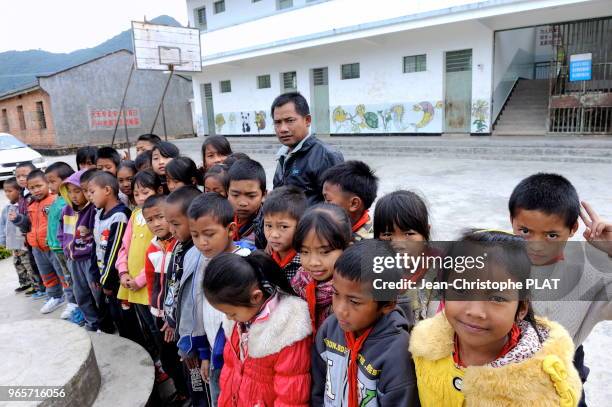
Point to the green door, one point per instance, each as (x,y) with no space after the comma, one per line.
(320,100)
(458,91)
(206,91)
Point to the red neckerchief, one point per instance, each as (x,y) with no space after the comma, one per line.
(311,300)
(354,346)
(285,260)
(365,217)
(239,226)
(513,339)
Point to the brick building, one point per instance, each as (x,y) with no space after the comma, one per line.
(80,105)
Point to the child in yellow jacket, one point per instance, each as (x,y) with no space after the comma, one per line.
(486,348)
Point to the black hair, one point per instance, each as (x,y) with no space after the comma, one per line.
(247,169)
(12,183)
(183,196)
(403,209)
(217,142)
(147,179)
(150,137)
(299,101)
(552,194)
(153,200)
(104,179)
(505,250)
(143,159)
(36,174)
(26,165)
(354,177)
(233,157)
(229,278)
(127,164)
(88,175)
(357,262)
(287,199)
(214,205)
(329,222)
(109,153)
(183,169)
(62,169)
(221,173)
(166,149)
(87,153)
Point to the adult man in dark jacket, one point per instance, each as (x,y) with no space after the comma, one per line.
(303,158)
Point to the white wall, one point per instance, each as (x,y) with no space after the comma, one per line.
(239,11)
(382,84)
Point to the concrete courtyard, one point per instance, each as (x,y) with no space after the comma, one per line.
(460,193)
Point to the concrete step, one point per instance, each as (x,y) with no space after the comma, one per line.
(93,370)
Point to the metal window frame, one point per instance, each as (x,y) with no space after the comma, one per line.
(267,79)
(352,73)
(227,82)
(216,4)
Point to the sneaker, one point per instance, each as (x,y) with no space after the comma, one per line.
(29,291)
(51,305)
(21,288)
(77,317)
(67,313)
(160,375)
(39,295)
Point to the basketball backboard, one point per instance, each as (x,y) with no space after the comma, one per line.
(158,46)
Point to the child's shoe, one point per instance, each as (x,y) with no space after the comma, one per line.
(51,305)
(160,375)
(77,317)
(22,288)
(67,313)
(39,295)
(29,291)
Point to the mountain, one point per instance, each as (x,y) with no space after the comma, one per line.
(19,68)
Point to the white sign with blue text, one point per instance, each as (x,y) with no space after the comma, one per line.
(581,67)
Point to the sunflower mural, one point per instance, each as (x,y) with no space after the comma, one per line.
(480,113)
(219,122)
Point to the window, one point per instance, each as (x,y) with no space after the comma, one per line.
(22,123)
(226,86)
(200,18)
(289,81)
(457,61)
(255,1)
(350,71)
(283,4)
(5,122)
(263,82)
(219,6)
(40,113)
(415,63)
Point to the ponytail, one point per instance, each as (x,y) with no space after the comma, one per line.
(229,278)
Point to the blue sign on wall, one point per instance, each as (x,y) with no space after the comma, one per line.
(581,68)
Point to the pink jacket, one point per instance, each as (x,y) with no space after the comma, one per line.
(276,371)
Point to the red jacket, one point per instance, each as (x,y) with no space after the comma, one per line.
(276,371)
(157,260)
(38,212)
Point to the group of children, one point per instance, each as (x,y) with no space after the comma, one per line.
(249,298)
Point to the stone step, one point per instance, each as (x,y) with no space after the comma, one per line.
(93,370)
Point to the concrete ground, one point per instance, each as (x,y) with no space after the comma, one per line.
(460,193)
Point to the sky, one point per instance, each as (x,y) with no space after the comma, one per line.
(67,25)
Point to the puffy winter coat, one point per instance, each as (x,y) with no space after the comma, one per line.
(276,371)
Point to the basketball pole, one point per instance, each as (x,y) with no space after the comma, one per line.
(171,68)
(121,112)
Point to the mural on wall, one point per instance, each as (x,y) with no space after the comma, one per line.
(480,116)
(252,122)
(388,118)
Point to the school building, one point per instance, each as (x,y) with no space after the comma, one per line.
(505,67)
(80,105)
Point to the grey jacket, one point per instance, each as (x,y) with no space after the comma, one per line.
(190,299)
(386,377)
(11,236)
